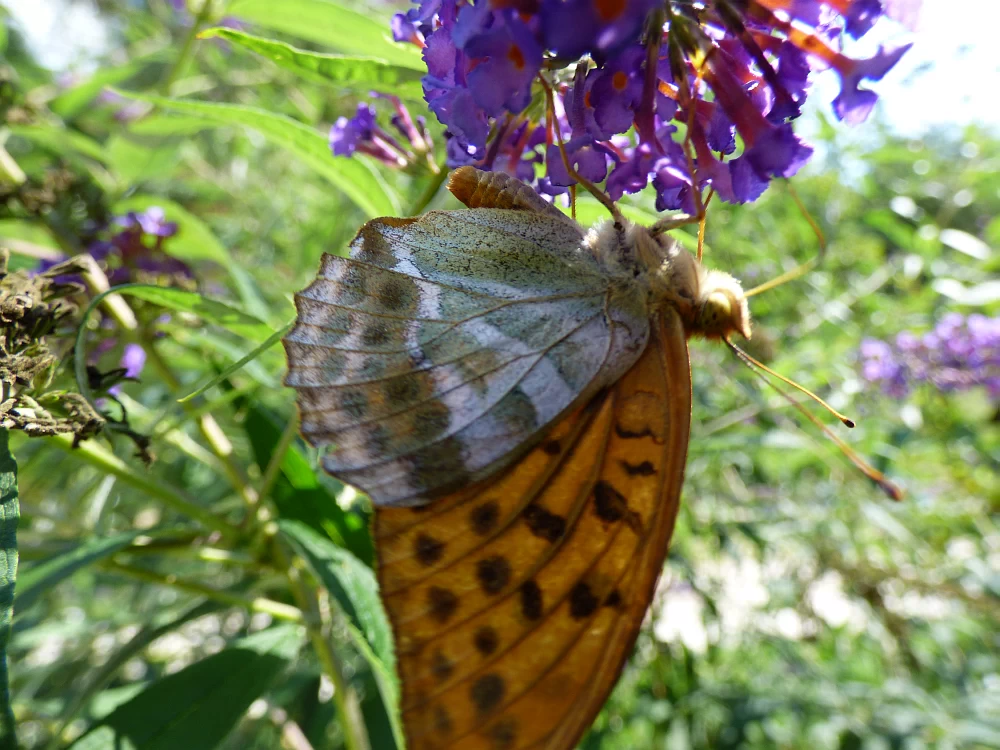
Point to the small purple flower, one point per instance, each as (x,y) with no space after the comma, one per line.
(133,360)
(404,30)
(346,134)
(861,16)
(615,90)
(881,366)
(151,221)
(505,61)
(853,104)
(363,134)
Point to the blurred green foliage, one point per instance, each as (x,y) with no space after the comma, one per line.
(798,606)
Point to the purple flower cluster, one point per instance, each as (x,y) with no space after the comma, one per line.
(960,353)
(363,134)
(134,250)
(689,96)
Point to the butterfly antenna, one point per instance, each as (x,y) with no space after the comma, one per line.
(590,187)
(890,489)
(804,268)
(751,362)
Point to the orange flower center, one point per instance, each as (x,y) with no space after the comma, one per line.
(609,10)
(516,57)
(619,80)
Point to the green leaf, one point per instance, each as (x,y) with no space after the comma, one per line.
(298,494)
(61,140)
(161,125)
(350,581)
(354,177)
(353,585)
(9,515)
(134,160)
(42,576)
(210,310)
(273,339)
(194,240)
(331,24)
(69,103)
(198,706)
(85,693)
(339,70)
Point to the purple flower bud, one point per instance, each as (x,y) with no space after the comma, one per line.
(861,16)
(153,221)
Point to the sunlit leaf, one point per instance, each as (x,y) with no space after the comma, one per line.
(39,577)
(362,73)
(331,24)
(354,177)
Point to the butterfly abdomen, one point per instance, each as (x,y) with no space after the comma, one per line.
(478,189)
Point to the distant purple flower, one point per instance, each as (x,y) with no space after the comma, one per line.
(151,221)
(363,134)
(132,249)
(958,354)
(133,360)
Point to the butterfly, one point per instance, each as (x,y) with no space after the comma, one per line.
(513,393)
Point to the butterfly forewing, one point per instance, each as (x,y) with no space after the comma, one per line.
(440,350)
(515,602)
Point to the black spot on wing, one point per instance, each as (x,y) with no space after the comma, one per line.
(486,640)
(582,601)
(644,469)
(441,667)
(544,524)
(483,517)
(487,692)
(427,549)
(443,603)
(611,506)
(531,600)
(493,573)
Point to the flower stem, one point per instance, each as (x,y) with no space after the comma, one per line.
(186,45)
(116,306)
(278,610)
(346,698)
(97,455)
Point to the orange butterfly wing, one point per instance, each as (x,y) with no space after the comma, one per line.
(516,602)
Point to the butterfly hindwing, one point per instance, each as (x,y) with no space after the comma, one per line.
(515,602)
(437,353)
